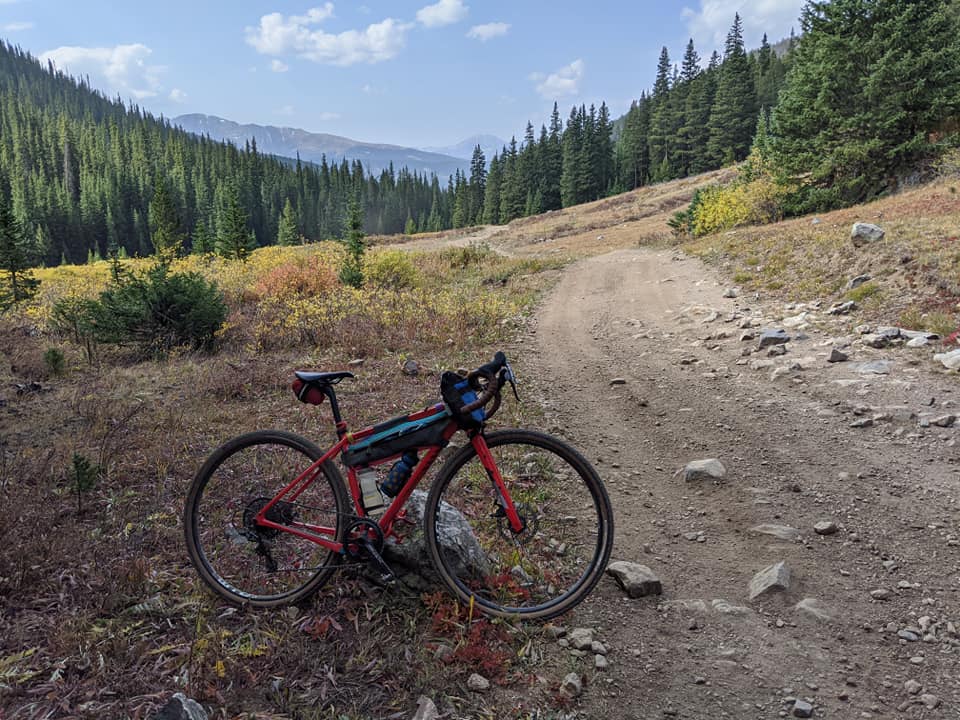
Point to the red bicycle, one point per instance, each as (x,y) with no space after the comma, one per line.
(516,522)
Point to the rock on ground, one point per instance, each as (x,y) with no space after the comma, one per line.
(783,532)
(635,579)
(711,469)
(774,578)
(456,537)
(572,685)
(478,683)
(864,233)
(180,707)
(950,360)
(814,608)
(580,638)
(426,710)
(773,337)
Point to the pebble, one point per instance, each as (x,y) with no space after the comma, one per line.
(426,709)
(478,683)
(598,648)
(572,685)
(837,356)
(802,709)
(580,638)
(710,469)
(912,687)
(932,702)
(880,594)
(907,635)
(862,423)
(618,381)
(600,662)
(635,579)
(917,660)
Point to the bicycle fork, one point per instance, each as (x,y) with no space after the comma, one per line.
(517,525)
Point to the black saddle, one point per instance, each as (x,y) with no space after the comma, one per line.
(323,378)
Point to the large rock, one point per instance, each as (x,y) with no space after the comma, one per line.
(865,233)
(773,337)
(775,578)
(636,580)
(180,707)
(711,469)
(950,360)
(456,538)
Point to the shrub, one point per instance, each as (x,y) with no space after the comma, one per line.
(159,310)
(304,277)
(392,269)
(460,258)
(54,360)
(720,208)
(862,292)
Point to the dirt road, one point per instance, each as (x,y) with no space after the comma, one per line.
(660,323)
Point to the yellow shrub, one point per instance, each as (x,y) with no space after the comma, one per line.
(720,208)
(389,269)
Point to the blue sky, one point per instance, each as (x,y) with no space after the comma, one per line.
(409,73)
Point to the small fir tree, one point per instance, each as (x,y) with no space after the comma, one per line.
(351,272)
(15,260)
(287,232)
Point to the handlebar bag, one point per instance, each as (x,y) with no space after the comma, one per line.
(457,394)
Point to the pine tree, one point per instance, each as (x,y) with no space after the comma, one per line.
(872,82)
(551,163)
(166,233)
(478,185)
(287,231)
(734,113)
(15,259)
(234,238)
(351,272)
(491,196)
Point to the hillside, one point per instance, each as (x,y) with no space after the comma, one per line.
(314,147)
(107,615)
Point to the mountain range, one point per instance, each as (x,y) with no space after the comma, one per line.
(287,142)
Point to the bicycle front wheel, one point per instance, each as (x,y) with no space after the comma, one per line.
(250,564)
(563,549)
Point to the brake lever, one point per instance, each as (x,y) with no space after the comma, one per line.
(512,379)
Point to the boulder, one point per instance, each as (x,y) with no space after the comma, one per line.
(865,233)
(636,580)
(858,281)
(837,356)
(456,538)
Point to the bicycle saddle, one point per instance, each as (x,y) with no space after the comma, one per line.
(323,378)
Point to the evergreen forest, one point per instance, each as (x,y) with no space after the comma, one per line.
(867,90)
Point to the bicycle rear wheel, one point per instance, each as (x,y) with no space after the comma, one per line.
(559,556)
(250,564)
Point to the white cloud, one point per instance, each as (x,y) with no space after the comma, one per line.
(278,35)
(444,12)
(563,82)
(123,69)
(286,110)
(278,66)
(708,25)
(488,31)
(16,26)
(324,116)
(178,96)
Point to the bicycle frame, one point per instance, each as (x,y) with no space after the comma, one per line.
(322,535)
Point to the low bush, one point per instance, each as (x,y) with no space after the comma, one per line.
(392,269)
(157,311)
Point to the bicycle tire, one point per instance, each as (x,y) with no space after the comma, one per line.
(229,553)
(560,556)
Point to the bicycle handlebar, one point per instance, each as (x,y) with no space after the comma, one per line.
(496,374)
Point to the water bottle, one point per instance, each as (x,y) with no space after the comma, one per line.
(399,474)
(372,499)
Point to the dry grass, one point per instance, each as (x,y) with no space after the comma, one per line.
(101,615)
(915,268)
